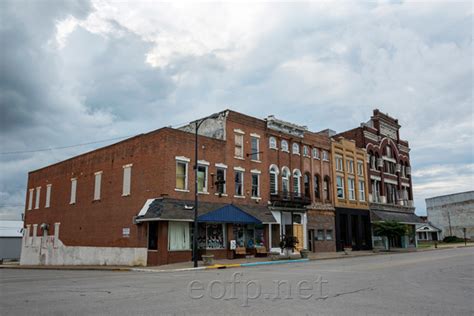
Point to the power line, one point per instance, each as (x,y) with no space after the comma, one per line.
(75,145)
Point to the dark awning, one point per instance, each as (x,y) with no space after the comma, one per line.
(405,218)
(229,214)
(167,209)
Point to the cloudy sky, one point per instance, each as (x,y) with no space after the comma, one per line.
(76,72)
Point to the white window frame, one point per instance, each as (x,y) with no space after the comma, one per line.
(316,153)
(172,223)
(339,164)
(127,180)
(340,187)
(362,190)
(73,196)
(30,199)
(285,179)
(305,151)
(351,189)
(48,196)
(238,170)
(360,167)
(284,146)
(184,161)
(205,186)
(255,156)
(297,181)
(241,137)
(257,174)
(295,149)
(224,185)
(350,166)
(97,185)
(325,155)
(274,170)
(272,143)
(37,197)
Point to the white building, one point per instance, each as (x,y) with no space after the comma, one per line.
(11,233)
(452,213)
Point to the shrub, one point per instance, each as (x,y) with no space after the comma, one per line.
(449,239)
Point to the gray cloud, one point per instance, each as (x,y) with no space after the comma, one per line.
(123,69)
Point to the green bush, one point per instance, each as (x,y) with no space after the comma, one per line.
(449,239)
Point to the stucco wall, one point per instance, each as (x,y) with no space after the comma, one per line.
(460,208)
(50,251)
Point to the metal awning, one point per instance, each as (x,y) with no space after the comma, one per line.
(229,214)
(405,218)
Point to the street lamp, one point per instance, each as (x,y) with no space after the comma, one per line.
(197,124)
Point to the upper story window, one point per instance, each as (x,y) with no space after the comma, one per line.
(296,149)
(339,164)
(220,180)
(351,188)
(255,185)
(315,153)
(273,179)
(239,146)
(360,168)
(350,166)
(361,190)
(297,182)
(272,143)
(325,155)
(284,146)
(202,178)
(306,185)
(340,187)
(389,151)
(326,189)
(239,183)
(38,194)
(305,151)
(317,193)
(73,191)
(255,148)
(127,180)
(182,173)
(30,199)
(403,170)
(285,180)
(48,195)
(97,184)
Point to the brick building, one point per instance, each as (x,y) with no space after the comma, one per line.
(390,189)
(132,203)
(350,195)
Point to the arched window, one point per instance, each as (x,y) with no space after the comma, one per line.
(297,182)
(273,143)
(306,182)
(317,194)
(327,189)
(305,151)
(296,149)
(285,181)
(315,153)
(284,145)
(274,179)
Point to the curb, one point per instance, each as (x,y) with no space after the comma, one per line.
(223,266)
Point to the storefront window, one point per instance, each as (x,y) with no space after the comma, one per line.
(320,235)
(211,236)
(249,236)
(259,236)
(239,235)
(179,236)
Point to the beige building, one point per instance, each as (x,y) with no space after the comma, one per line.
(350,193)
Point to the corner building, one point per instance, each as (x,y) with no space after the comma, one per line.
(132,203)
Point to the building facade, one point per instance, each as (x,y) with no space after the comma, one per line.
(452,214)
(132,203)
(389,170)
(350,189)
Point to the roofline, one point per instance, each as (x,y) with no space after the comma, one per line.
(451,194)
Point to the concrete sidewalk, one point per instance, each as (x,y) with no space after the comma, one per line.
(229,263)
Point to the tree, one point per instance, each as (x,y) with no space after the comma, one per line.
(389,229)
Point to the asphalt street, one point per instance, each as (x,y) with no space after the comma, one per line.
(422,283)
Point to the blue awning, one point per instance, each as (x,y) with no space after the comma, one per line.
(229,214)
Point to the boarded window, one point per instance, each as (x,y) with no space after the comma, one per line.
(97,184)
(30,199)
(239,146)
(73,191)
(48,196)
(181,175)
(127,177)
